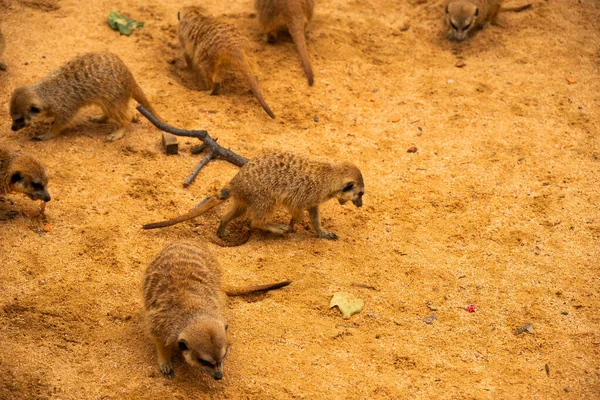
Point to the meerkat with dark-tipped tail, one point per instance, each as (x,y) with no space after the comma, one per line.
(291,15)
(462,16)
(2,45)
(184,300)
(282,179)
(100,79)
(22,174)
(210,46)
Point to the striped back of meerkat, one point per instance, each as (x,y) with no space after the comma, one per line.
(184,276)
(204,37)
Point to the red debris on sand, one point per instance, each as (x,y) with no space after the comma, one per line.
(471,308)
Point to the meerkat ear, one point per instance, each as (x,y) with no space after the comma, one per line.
(226,327)
(16,177)
(447,11)
(182,345)
(477,12)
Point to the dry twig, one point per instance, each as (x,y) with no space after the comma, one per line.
(214,149)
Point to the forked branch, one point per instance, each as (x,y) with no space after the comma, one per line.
(215,150)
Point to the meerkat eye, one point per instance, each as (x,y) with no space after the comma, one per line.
(16,177)
(182,345)
(476,11)
(467,27)
(206,363)
(348,187)
(453,26)
(19,120)
(34,110)
(37,186)
(447,6)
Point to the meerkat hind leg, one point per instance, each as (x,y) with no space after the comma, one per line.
(123,118)
(316,221)
(236,211)
(164,359)
(297,217)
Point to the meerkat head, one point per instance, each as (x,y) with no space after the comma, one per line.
(204,344)
(25,108)
(461,16)
(29,177)
(350,186)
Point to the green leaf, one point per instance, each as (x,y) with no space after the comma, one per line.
(123,24)
(347,303)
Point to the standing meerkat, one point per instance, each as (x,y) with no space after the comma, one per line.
(282,179)
(209,46)
(22,174)
(293,15)
(464,15)
(183,301)
(100,79)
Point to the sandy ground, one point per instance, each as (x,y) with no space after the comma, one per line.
(499,207)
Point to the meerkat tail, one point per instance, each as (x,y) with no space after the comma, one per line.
(139,96)
(516,9)
(248,72)
(207,204)
(241,291)
(296,28)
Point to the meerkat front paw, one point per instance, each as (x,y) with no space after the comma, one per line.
(167,370)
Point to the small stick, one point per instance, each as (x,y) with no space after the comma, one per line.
(215,150)
(363,285)
(188,181)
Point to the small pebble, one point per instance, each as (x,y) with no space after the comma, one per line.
(460,63)
(316,118)
(429,319)
(47,228)
(478,287)
(564,313)
(572,81)
(450,80)
(412,149)
(394,118)
(547,368)
(377,336)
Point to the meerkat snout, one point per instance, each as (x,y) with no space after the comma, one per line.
(205,344)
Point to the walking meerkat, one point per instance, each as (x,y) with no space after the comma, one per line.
(22,174)
(293,15)
(100,79)
(184,300)
(464,15)
(209,46)
(282,179)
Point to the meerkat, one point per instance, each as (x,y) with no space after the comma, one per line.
(183,301)
(282,179)
(293,15)
(22,174)
(2,45)
(100,79)
(464,15)
(209,46)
